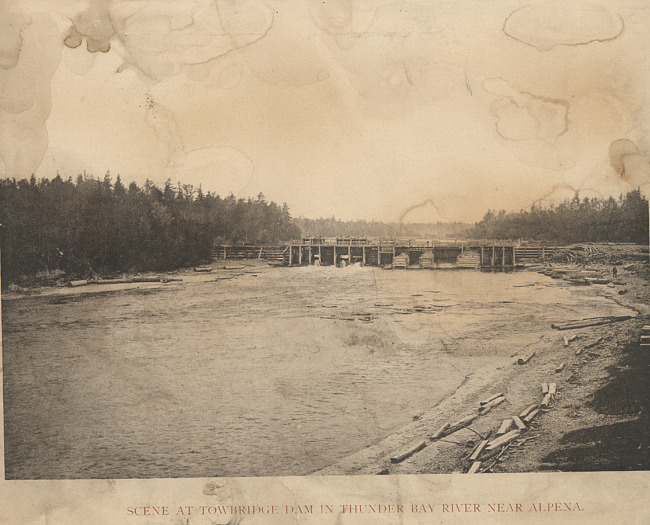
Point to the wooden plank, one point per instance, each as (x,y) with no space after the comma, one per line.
(527,411)
(519,423)
(505,426)
(503,440)
(478,450)
(474,468)
(408,452)
(531,416)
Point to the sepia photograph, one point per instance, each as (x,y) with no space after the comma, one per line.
(325,240)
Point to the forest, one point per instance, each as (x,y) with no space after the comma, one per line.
(92,226)
(332,227)
(576,220)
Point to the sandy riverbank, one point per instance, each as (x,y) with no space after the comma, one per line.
(598,421)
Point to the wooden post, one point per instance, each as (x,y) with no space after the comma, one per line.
(503,256)
(300,255)
(320,258)
(513,255)
(309,262)
(335,255)
(493,253)
(224,253)
(350,254)
(393,261)
(482,256)
(363,255)
(290,255)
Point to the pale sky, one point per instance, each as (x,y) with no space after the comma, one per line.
(412,111)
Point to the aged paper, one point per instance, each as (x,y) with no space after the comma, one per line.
(405,112)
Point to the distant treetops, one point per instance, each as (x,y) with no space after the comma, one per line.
(577,220)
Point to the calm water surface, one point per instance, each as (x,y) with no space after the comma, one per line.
(279,372)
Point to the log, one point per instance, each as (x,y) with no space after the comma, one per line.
(519,423)
(524,359)
(503,440)
(505,426)
(560,367)
(566,340)
(461,424)
(478,450)
(440,432)
(491,398)
(146,279)
(579,351)
(570,325)
(527,411)
(531,416)
(81,282)
(494,403)
(544,388)
(594,343)
(408,452)
(545,402)
(474,468)
(552,388)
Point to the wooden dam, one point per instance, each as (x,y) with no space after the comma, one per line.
(393,253)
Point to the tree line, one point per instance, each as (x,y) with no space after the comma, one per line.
(332,227)
(575,220)
(93,226)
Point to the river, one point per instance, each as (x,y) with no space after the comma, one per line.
(275,371)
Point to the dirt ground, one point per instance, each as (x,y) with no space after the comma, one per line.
(598,420)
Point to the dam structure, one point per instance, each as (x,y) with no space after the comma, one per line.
(401,253)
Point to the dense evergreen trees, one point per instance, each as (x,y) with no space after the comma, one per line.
(577,220)
(332,227)
(92,226)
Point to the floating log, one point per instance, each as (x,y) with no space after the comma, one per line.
(503,440)
(545,402)
(81,282)
(527,411)
(408,452)
(544,388)
(505,426)
(519,423)
(479,448)
(440,432)
(571,325)
(524,359)
(531,416)
(560,367)
(474,468)
(491,398)
(146,279)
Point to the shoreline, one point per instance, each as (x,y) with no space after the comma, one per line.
(583,376)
